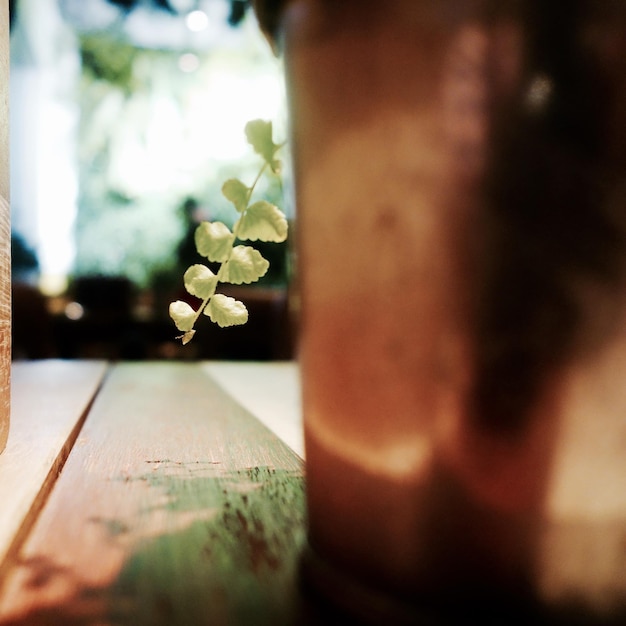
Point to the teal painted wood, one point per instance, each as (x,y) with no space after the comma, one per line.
(176,506)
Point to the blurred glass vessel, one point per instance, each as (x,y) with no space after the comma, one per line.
(460,175)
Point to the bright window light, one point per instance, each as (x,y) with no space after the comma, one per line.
(188,62)
(197,21)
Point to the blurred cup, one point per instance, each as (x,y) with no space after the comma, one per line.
(460,179)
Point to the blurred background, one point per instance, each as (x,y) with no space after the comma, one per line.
(126,118)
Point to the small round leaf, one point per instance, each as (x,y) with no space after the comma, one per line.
(226,311)
(264,221)
(237,192)
(214,240)
(246,265)
(183,315)
(200,281)
(259,135)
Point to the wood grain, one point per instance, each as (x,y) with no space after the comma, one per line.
(5,229)
(5,321)
(176,506)
(50,399)
(271,391)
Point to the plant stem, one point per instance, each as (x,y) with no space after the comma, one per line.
(235,232)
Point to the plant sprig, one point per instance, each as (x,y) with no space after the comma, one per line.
(239,264)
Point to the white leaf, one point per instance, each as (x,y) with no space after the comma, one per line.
(200,281)
(262,220)
(259,136)
(226,311)
(237,192)
(246,265)
(183,315)
(214,240)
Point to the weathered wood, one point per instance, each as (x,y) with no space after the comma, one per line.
(270,391)
(50,399)
(5,229)
(176,506)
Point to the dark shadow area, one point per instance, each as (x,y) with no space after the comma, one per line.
(104,317)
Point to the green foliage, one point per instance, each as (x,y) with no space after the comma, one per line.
(200,281)
(226,311)
(235,191)
(262,221)
(239,264)
(245,265)
(214,241)
(109,60)
(259,135)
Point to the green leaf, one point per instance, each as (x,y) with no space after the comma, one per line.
(262,221)
(183,315)
(237,192)
(214,240)
(259,135)
(226,311)
(200,281)
(246,265)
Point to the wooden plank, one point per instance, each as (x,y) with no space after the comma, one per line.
(270,391)
(175,507)
(49,400)
(5,229)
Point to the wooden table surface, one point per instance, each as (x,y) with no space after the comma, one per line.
(144,493)
(162,493)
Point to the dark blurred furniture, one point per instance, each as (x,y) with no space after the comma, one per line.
(102,322)
(32,335)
